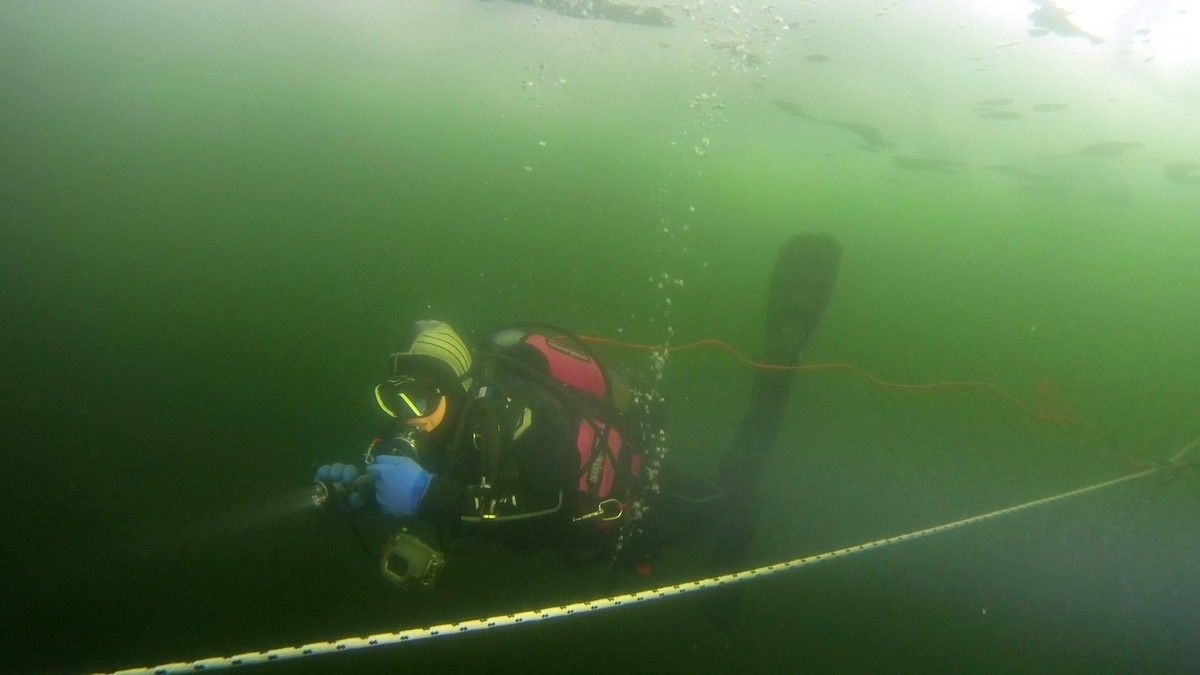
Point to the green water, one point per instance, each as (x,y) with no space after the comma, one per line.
(218,217)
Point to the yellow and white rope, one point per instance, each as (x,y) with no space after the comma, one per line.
(560,611)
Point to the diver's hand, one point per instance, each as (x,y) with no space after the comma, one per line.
(400,484)
(344,474)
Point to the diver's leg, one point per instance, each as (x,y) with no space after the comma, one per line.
(801,285)
(686,509)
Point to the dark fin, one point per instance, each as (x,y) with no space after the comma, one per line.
(801,286)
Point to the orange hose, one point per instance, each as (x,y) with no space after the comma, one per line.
(1048,411)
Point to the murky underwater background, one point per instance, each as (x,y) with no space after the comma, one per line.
(218,217)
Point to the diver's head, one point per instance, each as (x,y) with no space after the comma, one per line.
(427,379)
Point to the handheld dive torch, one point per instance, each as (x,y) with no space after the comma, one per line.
(327,493)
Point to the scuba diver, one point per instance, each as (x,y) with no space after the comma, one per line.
(529,437)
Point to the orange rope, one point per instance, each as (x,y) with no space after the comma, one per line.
(1050,409)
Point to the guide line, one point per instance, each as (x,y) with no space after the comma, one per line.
(623,600)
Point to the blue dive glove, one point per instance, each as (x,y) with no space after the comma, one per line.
(400,484)
(344,474)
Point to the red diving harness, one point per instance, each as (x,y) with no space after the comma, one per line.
(608,464)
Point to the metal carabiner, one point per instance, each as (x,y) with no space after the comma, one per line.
(607,510)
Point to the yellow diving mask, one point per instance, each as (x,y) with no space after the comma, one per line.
(419,404)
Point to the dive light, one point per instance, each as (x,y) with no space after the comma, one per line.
(326,493)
